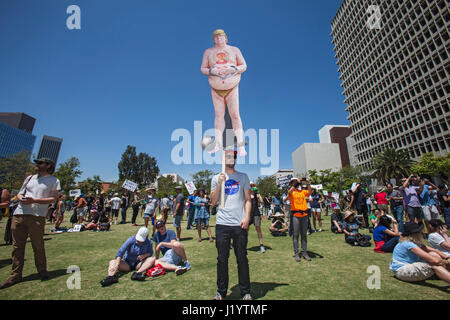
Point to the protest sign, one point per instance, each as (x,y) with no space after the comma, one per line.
(129,185)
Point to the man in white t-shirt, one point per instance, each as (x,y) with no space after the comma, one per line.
(115,206)
(438,238)
(37,192)
(232,221)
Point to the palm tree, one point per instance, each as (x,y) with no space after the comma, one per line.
(392,163)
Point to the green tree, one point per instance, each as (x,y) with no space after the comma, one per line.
(165,186)
(392,163)
(91,185)
(267,185)
(140,168)
(436,166)
(14,170)
(67,172)
(202,179)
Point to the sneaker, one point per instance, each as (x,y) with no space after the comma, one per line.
(180,270)
(138,276)
(262,250)
(134,225)
(187,265)
(109,281)
(308,233)
(320,230)
(218,296)
(297,257)
(306,256)
(247,297)
(10,282)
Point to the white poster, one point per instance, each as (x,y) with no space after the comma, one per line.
(75,193)
(129,185)
(190,186)
(317,186)
(335,195)
(325,192)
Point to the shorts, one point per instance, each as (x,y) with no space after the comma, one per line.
(316,210)
(430,212)
(132,265)
(417,271)
(171,257)
(201,221)
(82,212)
(177,220)
(257,221)
(114,213)
(414,212)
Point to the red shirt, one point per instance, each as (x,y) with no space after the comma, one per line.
(380,198)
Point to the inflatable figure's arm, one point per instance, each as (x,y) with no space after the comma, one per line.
(241,64)
(205,65)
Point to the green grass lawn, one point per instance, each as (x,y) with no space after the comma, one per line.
(337,270)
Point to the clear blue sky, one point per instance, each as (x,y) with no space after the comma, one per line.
(131,75)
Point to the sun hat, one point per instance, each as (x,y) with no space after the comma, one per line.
(380,189)
(178,188)
(142,234)
(278,214)
(411,227)
(348,214)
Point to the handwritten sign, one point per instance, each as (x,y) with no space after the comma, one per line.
(129,185)
(190,186)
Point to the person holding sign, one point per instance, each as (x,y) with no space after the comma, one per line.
(232,221)
(224,64)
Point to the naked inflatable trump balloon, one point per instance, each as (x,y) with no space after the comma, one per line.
(224,64)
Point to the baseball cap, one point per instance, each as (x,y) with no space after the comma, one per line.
(159,224)
(142,234)
(44,160)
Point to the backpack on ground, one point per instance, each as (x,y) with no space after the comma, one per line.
(156,271)
(362,241)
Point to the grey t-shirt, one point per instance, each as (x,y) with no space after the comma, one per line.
(152,203)
(435,240)
(233,211)
(38,188)
(179,200)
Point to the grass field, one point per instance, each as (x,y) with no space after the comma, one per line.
(337,270)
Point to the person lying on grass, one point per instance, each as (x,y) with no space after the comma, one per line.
(135,254)
(174,257)
(413,261)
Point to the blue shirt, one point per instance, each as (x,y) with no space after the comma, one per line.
(351,227)
(315,200)
(425,197)
(276,201)
(130,250)
(201,212)
(378,233)
(192,199)
(402,255)
(168,237)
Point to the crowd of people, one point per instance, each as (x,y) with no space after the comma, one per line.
(398,217)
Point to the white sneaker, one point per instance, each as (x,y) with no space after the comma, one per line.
(180,270)
(263,249)
(247,297)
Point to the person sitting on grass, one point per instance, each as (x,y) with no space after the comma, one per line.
(438,238)
(412,261)
(135,254)
(351,228)
(337,220)
(385,237)
(278,226)
(172,250)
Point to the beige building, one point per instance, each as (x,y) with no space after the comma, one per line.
(395,69)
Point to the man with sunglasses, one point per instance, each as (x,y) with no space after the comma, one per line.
(37,192)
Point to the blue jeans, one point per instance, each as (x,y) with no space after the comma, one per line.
(397,212)
(390,244)
(447,216)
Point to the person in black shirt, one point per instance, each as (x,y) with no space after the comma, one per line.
(337,221)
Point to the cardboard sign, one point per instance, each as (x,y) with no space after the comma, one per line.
(335,195)
(317,186)
(75,193)
(77,228)
(190,186)
(325,192)
(129,185)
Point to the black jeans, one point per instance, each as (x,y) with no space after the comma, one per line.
(224,234)
(191,212)
(135,213)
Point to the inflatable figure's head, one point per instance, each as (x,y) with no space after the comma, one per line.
(220,32)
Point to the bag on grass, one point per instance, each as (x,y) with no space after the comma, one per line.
(362,240)
(156,271)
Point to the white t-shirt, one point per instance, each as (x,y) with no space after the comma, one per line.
(38,188)
(234,210)
(435,240)
(116,201)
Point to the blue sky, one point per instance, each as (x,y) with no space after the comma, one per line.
(131,75)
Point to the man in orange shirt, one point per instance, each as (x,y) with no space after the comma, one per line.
(299,210)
